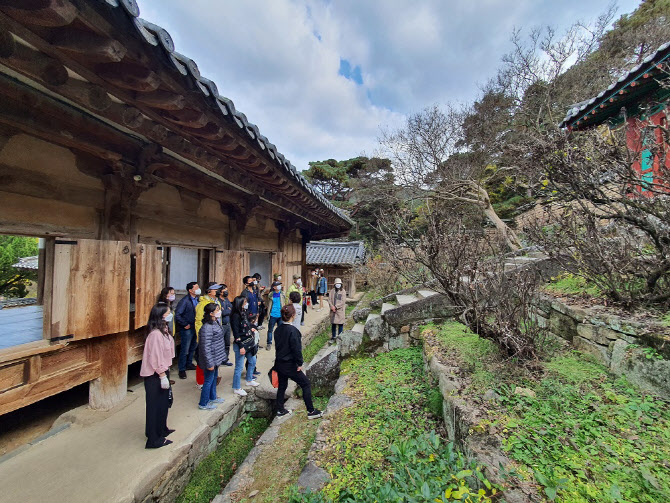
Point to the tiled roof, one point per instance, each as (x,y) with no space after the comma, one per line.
(157,36)
(350,253)
(633,84)
(27,263)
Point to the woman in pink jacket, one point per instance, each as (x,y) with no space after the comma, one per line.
(156,361)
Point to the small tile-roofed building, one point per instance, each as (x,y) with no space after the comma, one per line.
(338,260)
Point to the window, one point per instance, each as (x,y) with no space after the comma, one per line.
(261,263)
(22,265)
(183,267)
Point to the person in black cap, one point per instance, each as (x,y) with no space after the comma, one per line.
(275,301)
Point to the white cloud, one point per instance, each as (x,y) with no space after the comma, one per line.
(266,57)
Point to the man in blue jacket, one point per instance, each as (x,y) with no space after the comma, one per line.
(185,317)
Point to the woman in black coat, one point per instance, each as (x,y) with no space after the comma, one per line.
(211,353)
(288,363)
(244,344)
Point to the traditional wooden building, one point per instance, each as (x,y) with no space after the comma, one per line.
(338,260)
(136,173)
(637,101)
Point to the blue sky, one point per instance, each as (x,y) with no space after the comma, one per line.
(320,78)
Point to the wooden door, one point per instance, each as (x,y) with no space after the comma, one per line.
(231,267)
(91,289)
(148,280)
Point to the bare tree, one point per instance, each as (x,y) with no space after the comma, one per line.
(428,164)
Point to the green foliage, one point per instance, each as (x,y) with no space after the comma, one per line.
(587,438)
(509,208)
(425,469)
(315,345)
(366,461)
(567,283)
(13,282)
(214,472)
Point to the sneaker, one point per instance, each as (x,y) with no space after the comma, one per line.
(284,412)
(268,347)
(315,414)
(256,373)
(217,400)
(228,364)
(240,392)
(182,374)
(209,406)
(253,383)
(199,386)
(302,323)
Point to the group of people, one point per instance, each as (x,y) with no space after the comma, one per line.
(209,322)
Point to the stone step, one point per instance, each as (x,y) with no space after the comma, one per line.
(406,299)
(358,327)
(426,293)
(372,316)
(386,307)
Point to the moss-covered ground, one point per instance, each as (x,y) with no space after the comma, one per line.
(584,436)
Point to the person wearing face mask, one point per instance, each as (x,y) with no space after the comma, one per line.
(185,318)
(226,309)
(249,293)
(313,283)
(321,288)
(167,296)
(209,298)
(244,344)
(261,293)
(156,360)
(337,300)
(275,301)
(296,286)
(211,354)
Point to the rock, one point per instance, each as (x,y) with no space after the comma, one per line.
(325,368)
(338,402)
(266,392)
(341,384)
(348,342)
(404,329)
(376,329)
(600,352)
(253,493)
(312,477)
(361,314)
(524,392)
(491,396)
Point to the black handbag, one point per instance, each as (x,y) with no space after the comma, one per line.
(170,397)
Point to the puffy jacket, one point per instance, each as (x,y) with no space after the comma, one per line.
(211,347)
(185,312)
(200,311)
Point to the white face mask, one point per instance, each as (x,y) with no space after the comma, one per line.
(298,281)
(278,278)
(245,307)
(338,286)
(170,297)
(217,314)
(168,318)
(198,292)
(279,288)
(255,282)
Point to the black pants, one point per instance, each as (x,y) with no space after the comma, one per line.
(226,337)
(313,295)
(304,308)
(286,371)
(157,411)
(333,328)
(262,312)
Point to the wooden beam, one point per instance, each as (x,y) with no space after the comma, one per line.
(48,13)
(163,100)
(33,63)
(129,76)
(89,45)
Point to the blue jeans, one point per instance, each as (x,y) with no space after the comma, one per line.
(271,327)
(208,392)
(188,344)
(239,365)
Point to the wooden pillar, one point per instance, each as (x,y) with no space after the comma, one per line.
(110,388)
(306,237)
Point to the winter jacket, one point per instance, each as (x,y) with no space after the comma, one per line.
(337,299)
(252,299)
(200,311)
(269,302)
(322,286)
(241,328)
(211,347)
(294,288)
(226,309)
(288,345)
(185,312)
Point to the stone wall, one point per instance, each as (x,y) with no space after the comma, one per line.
(614,341)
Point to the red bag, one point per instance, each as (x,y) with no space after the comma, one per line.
(274,377)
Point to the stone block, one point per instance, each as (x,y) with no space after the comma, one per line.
(361,314)
(404,329)
(325,368)
(652,375)
(312,477)
(349,342)
(562,325)
(541,321)
(600,352)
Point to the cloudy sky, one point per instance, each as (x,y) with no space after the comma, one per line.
(321,77)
